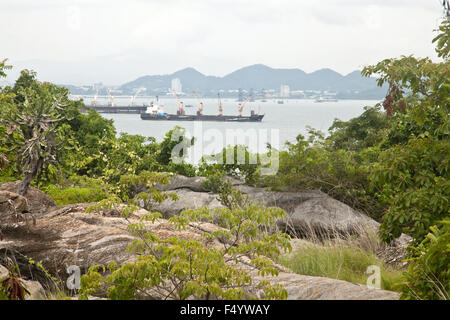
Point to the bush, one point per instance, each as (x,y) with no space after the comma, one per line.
(176,268)
(428,276)
(77,190)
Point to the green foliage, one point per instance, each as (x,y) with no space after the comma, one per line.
(31,113)
(77,190)
(72,143)
(342,174)
(442,40)
(235,161)
(215,180)
(413,170)
(359,133)
(340,262)
(428,276)
(415,185)
(3,67)
(176,268)
(175,144)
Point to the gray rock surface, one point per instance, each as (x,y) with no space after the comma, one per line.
(38,201)
(307,212)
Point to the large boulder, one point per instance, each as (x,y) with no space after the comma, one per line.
(308,212)
(67,236)
(38,201)
(187,199)
(191,183)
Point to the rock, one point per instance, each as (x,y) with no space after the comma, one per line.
(38,201)
(10,204)
(308,213)
(35,289)
(301,287)
(67,235)
(325,217)
(3,272)
(188,199)
(182,182)
(191,183)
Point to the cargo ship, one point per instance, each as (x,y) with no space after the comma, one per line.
(156,112)
(119,109)
(110,107)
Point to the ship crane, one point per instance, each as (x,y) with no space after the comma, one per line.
(111,102)
(220,105)
(200,106)
(133,98)
(94,102)
(180,104)
(241,106)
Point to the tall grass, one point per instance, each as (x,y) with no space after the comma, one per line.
(344,256)
(339,262)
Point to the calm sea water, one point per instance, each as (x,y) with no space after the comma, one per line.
(281,123)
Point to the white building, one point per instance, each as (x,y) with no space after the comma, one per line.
(176,85)
(284,91)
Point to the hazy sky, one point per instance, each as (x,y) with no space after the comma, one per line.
(86,41)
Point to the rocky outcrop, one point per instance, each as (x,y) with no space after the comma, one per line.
(308,212)
(191,183)
(38,201)
(67,236)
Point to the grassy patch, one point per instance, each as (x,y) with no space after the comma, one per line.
(77,190)
(340,262)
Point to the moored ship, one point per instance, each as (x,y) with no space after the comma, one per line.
(156,112)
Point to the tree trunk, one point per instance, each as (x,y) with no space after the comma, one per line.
(24,184)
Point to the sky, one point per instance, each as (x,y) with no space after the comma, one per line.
(109,41)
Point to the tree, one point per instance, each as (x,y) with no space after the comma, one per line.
(3,66)
(412,171)
(30,114)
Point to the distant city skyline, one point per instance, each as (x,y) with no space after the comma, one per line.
(84,42)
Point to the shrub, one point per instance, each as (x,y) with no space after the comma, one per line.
(176,268)
(77,190)
(428,276)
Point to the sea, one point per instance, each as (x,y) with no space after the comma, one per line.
(282,122)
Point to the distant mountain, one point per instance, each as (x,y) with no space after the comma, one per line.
(258,76)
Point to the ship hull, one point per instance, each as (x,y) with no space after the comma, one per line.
(175,117)
(119,109)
